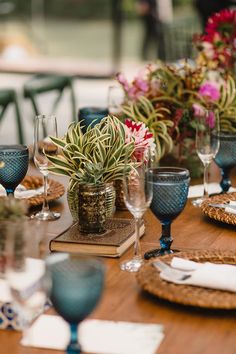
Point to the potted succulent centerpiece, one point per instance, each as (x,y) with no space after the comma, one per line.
(91,160)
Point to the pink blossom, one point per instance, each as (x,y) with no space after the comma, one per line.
(210,91)
(139,133)
(123,81)
(198,110)
(210,119)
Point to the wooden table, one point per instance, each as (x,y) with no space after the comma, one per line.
(187,330)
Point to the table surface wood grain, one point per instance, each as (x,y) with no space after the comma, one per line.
(187,330)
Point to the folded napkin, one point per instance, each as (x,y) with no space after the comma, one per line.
(228,209)
(213,188)
(22,193)
(207,275)
(96,336)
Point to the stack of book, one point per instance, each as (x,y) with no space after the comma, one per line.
(118,237)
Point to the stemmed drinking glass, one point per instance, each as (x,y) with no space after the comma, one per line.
(76,287)
(170,192)
(137,197)
(115,99)
(207,144)
(45,126)
(226,157)
(14,161)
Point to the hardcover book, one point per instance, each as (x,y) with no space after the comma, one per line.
(118,237)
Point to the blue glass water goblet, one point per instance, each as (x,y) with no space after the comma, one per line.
(170,192)
(226,158)
(76,287)
(14,161)
(90,116)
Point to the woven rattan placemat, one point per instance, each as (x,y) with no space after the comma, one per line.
(150,281)
(219,213)
(55,189)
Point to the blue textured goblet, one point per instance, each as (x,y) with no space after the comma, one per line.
(14,161)
(77,285)
(170,192)
(91,116)
(226,158)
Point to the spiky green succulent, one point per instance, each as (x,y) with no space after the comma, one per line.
(97,156)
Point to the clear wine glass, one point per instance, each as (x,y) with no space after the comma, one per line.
(207,144)
(115,100)
(25,270)
(170,192)
(137,197)
(45,126)
(14,161)
(76,287)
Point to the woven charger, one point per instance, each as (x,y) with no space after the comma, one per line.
(149,279)
(55,189)
(219,214)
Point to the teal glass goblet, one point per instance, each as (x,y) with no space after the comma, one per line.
(76,287)
(14,161)
(226,158)
(90,116)
(170,192)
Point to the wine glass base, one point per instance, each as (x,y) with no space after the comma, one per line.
(46,215)
(158,253)
(197,202)
(131,266)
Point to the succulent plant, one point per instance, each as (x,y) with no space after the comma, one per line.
(96,156)
(12,209)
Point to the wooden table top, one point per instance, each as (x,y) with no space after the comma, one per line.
(187,330)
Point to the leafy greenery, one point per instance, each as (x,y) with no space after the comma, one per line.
(12,209)
(144,111)
(97,156)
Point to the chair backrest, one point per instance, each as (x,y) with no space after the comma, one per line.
(46,83)
(8,97)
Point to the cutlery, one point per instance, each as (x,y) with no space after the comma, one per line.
(171,273)
(222,206)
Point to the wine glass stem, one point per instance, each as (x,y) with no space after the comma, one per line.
(73,347)
(205,180)
(166,240)
(137,247)
(45,207)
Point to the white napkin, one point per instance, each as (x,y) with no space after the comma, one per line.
(231,210)
(197,190)
(22,193)
(96,336)
(207,275)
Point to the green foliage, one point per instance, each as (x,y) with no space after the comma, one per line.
(12,209)
(144,111)
(97,156)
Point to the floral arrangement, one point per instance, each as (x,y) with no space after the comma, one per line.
(217,46)
(163,97)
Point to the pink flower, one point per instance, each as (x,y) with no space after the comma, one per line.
(139,133)
(210,119)
(198,110)
(123,81)
(210,91)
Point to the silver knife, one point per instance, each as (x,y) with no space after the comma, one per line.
(224,206)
